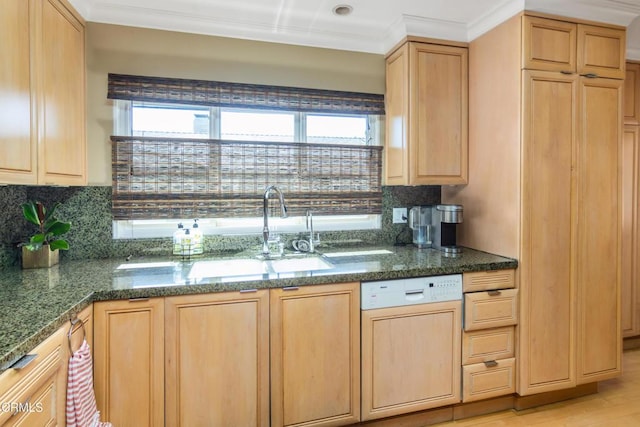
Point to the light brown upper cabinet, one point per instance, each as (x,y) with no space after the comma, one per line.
(17,150)
(42,94)
(426,115)
(554,45)
(548,45)
(632,94)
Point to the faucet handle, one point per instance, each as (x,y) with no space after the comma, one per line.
(309,220)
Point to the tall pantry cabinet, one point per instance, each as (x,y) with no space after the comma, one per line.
(545,96)
(630,198)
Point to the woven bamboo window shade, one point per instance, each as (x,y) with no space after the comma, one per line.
(174,178)
(157,178)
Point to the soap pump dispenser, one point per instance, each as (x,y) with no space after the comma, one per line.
(197,246)
(178,240)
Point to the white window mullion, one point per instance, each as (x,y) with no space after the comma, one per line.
(301,127)
(214,123)
(122,118)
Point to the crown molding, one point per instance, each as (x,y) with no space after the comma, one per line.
(360,36)
(409,25)
(494,17)
(617,12)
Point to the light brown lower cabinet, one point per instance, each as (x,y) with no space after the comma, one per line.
(489,337)
(488,379)
(410,358)
(204,360)
(129,361)
(35,394)
(315,355)
(217,359)
(490,309)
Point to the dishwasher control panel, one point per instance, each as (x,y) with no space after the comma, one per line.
(416,290)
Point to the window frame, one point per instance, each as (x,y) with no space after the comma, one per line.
(123,119)
(134,229)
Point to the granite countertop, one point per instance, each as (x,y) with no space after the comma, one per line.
(35,303)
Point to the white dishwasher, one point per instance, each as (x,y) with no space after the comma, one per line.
(411,338)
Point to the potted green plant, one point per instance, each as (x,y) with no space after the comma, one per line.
(42,248)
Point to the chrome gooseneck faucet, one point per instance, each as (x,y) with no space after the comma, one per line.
(265,215)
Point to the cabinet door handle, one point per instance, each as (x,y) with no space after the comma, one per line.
(23,361)
(490,363)
(494,293)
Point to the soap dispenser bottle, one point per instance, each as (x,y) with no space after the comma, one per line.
(178,240)
(197,246)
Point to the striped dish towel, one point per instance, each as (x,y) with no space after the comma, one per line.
(81,400)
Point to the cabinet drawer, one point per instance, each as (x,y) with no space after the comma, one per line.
(487,344)
(37,408)
(24,388)
(488,280)
(548,44)
(490,309)
(485,380)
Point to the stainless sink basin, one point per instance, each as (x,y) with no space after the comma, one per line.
(253,267)
(227,267)
(292,265)
(149,274)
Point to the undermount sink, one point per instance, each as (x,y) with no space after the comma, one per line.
(252,267)
(227,267)
(292,265)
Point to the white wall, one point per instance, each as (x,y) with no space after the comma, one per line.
(128,50)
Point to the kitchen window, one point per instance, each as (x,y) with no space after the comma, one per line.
(173,162)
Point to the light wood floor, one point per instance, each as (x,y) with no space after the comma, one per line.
(617,404)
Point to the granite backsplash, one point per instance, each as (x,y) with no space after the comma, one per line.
(89,211)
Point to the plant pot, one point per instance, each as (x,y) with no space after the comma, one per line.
(42,258)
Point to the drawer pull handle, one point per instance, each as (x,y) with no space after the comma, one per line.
(290,288)
(590,75)
(140,299)
(490,363)
(566,72)
(494,293)
(23,361)
(248,291)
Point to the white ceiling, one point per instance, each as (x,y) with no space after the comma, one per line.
(374,25)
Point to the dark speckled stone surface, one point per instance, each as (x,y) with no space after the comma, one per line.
(89,211)
(34,303)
